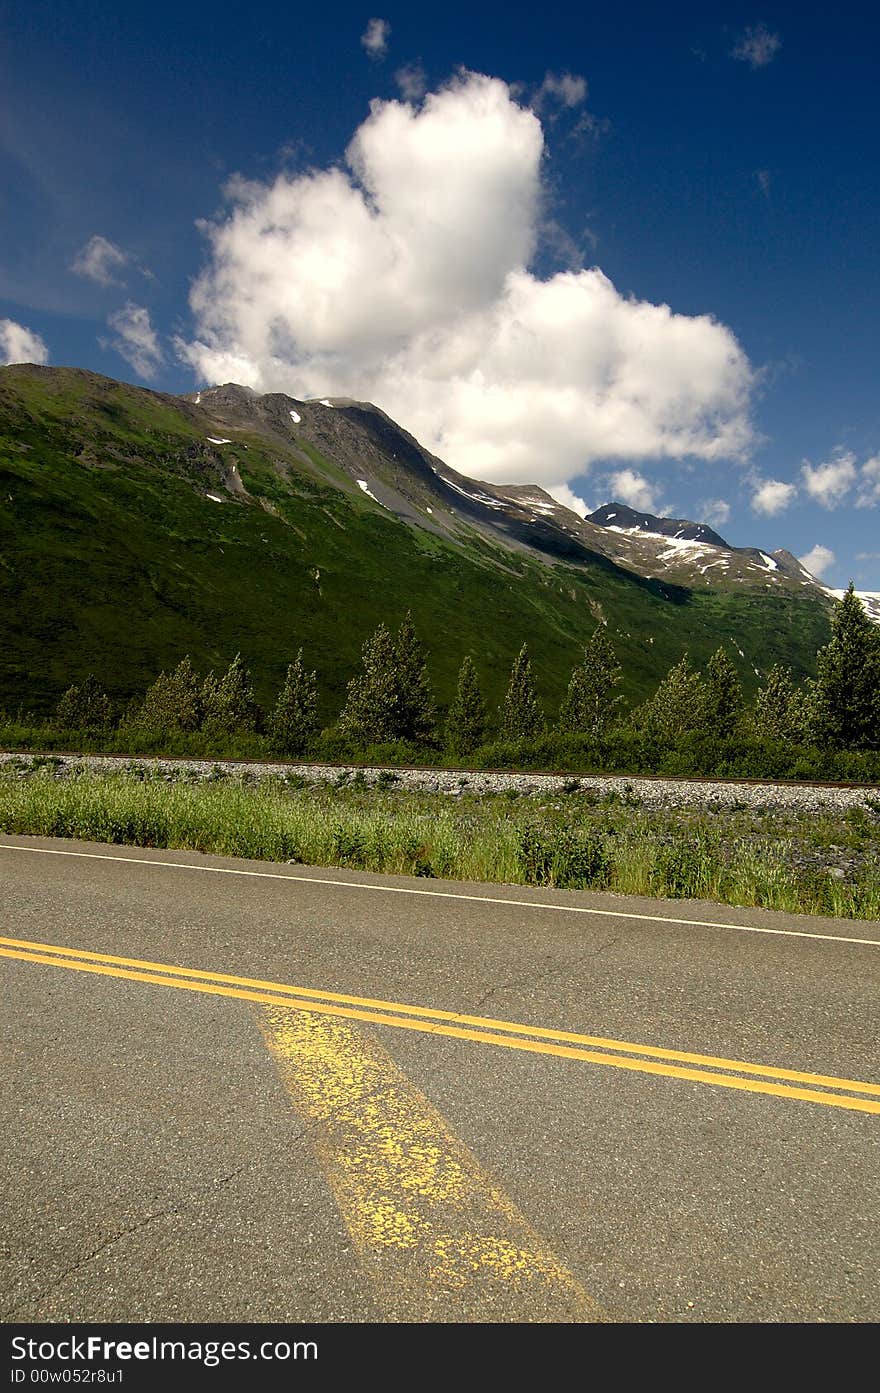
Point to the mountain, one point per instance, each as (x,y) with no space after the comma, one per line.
(691,553)
(621,518)
(136,527)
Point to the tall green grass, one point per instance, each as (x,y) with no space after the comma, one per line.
(501,840)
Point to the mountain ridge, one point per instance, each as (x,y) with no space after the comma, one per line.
(136,526)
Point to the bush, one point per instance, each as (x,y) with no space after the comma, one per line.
(686,869)
(563,858)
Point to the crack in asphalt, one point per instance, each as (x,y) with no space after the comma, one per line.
(216,1183)
(569,970)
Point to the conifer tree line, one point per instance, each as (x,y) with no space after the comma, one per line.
(390,699)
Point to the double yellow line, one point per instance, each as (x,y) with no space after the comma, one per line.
(828,1090)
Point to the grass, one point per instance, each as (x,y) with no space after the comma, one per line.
(573,841)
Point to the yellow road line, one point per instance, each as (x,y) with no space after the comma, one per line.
(438,1236)
(483,1023)
(170,977)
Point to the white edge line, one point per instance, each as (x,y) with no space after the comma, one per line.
(446,895)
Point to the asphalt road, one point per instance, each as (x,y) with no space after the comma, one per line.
(249,1093)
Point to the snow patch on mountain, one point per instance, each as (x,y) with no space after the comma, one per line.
(869,598)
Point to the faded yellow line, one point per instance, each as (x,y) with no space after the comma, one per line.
(436,1233)
(484,1023)
(645,1066)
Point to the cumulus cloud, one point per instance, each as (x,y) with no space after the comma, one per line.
(634,489)
(829,483)
(564,495)
(818,559)
(868,495)
(20,345)
(715,511)
(99,260)
(564,89)
(136,339)
(772,496)
(375,37)
(757,46)
(412,80)
(404,279)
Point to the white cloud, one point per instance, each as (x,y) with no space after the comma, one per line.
(567,89)
(629,487)
(136,339)
(715,511)
(564,495)
(829,483)
(868,495)
(20,345)
(375,37)
(404,280)
(818,559)
(772,496)
(98,260)
(757,46)
(764,179)
(412,80)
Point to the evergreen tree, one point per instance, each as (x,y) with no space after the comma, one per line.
(848,679)
(676,707)
(294,721)
(173,702)
(371,714)
(466,717)
(588,707)
(775,715)
(521,715)
(85,707)
(229,705)
(722,694)
(416,712)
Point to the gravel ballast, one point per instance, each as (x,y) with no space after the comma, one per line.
(649,793)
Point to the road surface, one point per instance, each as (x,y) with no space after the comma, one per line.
(277,1093)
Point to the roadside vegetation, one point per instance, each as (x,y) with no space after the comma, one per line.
(696,722)
(807,863)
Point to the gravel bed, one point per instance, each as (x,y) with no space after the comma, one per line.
(649,793)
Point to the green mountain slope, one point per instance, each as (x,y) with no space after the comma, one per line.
(136,527)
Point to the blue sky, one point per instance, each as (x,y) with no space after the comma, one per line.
(192,195)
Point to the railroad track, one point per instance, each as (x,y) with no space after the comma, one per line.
(434,771)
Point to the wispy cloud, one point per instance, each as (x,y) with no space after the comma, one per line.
(828,484)
(375,37)
(412,80)
(756,46)
(19,344)
(136,339)
(715,511)
(634,489)
(772,496)
(560,89)
(818,560)
(99,260)
(868,495)
(764,180)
